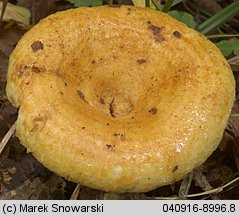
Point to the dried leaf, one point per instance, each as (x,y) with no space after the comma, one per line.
(231,133)
(17,13)
(3,9)
(211,6)
(234,63)
(201,181)
(235,150)
(52,188)
(8,40)
(23,191)
(219,175)
(225,140)
(12,175)
(39,9)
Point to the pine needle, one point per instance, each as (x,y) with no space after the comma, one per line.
(209,192)
(7,137)
(75,193)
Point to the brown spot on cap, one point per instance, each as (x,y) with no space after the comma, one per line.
(158,37)
(102,101)
(141,61)
(58,73)
(38,69)
(22,70)
(177,34)
(122,137)
(110,147)
(129,9)
(39,122)
(37,45)
(153,110)
(83,128)
(93,62)
(175,168)
(111,109)
(80,93)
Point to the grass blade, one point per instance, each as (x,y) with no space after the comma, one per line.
(220,18)
(147,3)
(222,36)
(156,4)
(167,6)
(175,2)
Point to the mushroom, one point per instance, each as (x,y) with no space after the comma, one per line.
(119,99)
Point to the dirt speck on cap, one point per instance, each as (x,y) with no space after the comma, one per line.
(37,69)
(141,61)
(37,45)
(153,110)
(110,147)
(102,101)
(175,168)
(177,34)
(158,37)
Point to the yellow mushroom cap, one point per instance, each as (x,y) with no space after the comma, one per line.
(121,99)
